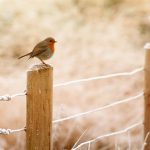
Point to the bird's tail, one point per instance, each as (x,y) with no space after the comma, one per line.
(25,55)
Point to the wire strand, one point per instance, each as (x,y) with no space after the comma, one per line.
(99,109)
(101,77)
(109,135)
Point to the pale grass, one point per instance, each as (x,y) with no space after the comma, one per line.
(94,37)
(108,135)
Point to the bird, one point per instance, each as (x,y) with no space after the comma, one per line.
(43,50)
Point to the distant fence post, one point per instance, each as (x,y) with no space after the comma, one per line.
(147,96)
(39,108)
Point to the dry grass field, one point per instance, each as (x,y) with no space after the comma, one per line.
(95,37)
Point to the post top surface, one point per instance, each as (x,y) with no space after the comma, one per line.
(147,46)
(40,67)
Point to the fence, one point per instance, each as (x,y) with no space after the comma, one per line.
(39,107)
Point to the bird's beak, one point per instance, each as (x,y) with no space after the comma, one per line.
(55,41)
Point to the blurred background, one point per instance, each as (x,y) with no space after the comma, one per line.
(95,37)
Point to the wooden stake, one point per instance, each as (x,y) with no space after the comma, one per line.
(147,96)
(39,108)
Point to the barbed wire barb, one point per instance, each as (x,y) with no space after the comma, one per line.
(101,77)
(10,131)
(9,97)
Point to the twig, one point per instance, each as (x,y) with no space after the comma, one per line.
(79,138)
(145,140)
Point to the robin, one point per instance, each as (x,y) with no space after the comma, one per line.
(43,50)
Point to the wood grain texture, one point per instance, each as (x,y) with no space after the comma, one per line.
(147,98)
(39,108)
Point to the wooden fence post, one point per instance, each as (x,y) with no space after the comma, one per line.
(39,108)
(147,96)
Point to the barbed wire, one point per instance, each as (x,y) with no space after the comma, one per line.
(9,97)
(10,131)
(100,108)
(109,135)
(101,77)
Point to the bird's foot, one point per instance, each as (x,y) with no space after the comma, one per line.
(44,65)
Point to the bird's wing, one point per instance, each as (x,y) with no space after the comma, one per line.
(39,48)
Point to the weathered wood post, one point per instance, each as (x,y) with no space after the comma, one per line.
(147,96)
(39,108)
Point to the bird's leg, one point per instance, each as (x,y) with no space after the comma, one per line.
(43,61)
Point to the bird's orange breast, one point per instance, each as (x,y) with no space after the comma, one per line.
(52,47)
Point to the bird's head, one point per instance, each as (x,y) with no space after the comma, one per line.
(50,40)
